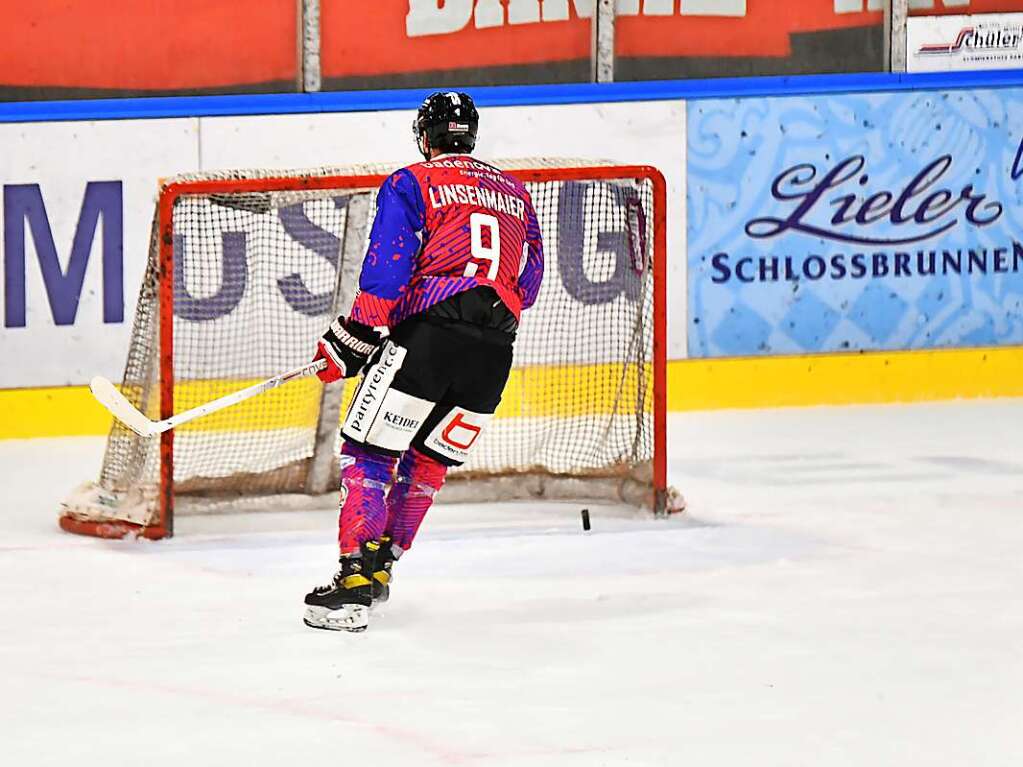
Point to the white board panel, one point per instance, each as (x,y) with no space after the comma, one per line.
(57,329)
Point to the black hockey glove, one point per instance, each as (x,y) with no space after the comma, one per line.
(346,346)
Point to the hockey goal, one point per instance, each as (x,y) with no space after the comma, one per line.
(247,268)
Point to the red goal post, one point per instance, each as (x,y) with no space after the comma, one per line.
(91,510)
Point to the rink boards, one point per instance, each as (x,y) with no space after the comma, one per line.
(837,379)
(827,242)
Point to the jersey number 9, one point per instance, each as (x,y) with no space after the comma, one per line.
(485,250)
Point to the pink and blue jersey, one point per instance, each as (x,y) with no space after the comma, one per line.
(443,227)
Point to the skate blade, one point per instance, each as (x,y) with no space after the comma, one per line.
(347,618)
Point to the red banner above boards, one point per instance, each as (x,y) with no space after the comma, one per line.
(53,48)
(419,42)
(961,7)
(740,28)
(367,39)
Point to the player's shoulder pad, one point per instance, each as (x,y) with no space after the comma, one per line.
(400,199)
(404,184)
(400,178)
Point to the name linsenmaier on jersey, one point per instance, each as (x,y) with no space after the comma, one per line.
(450,194)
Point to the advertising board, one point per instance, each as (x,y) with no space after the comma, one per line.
(855,222)
(55,49)
(946,43)
(78,202)
(367,44)
(76,205)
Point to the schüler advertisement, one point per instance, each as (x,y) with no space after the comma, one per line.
(860,222)
(946,43)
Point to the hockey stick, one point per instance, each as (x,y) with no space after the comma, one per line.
(110,398)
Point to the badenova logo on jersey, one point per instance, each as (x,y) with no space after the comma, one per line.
(884,221)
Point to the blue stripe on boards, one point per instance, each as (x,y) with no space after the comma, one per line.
(513,95)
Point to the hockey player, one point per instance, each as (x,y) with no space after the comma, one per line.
(454,256)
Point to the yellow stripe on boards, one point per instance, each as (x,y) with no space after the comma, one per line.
(63,411)
(294,405)
(545,391)
(572,390)
(845,379)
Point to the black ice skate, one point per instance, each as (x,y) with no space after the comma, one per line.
(382,576)
(343,604)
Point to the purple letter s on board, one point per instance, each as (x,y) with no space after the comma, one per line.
(24,203)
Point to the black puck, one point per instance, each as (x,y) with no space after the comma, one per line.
(585,514)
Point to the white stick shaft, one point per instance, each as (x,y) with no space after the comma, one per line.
(234,398)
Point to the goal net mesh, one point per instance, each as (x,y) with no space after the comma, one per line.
(258,276)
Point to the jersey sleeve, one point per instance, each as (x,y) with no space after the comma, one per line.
(394,243)
(532,272)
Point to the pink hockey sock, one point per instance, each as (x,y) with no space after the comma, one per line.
(365,475)
(418,480)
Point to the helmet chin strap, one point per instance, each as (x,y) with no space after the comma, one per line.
(424,146)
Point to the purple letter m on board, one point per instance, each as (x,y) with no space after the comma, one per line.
(23,204)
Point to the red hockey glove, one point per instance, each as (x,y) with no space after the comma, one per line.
(347,346)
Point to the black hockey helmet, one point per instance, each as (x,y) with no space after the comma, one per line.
(447,121)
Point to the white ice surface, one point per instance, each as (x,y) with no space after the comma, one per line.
(846,589)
